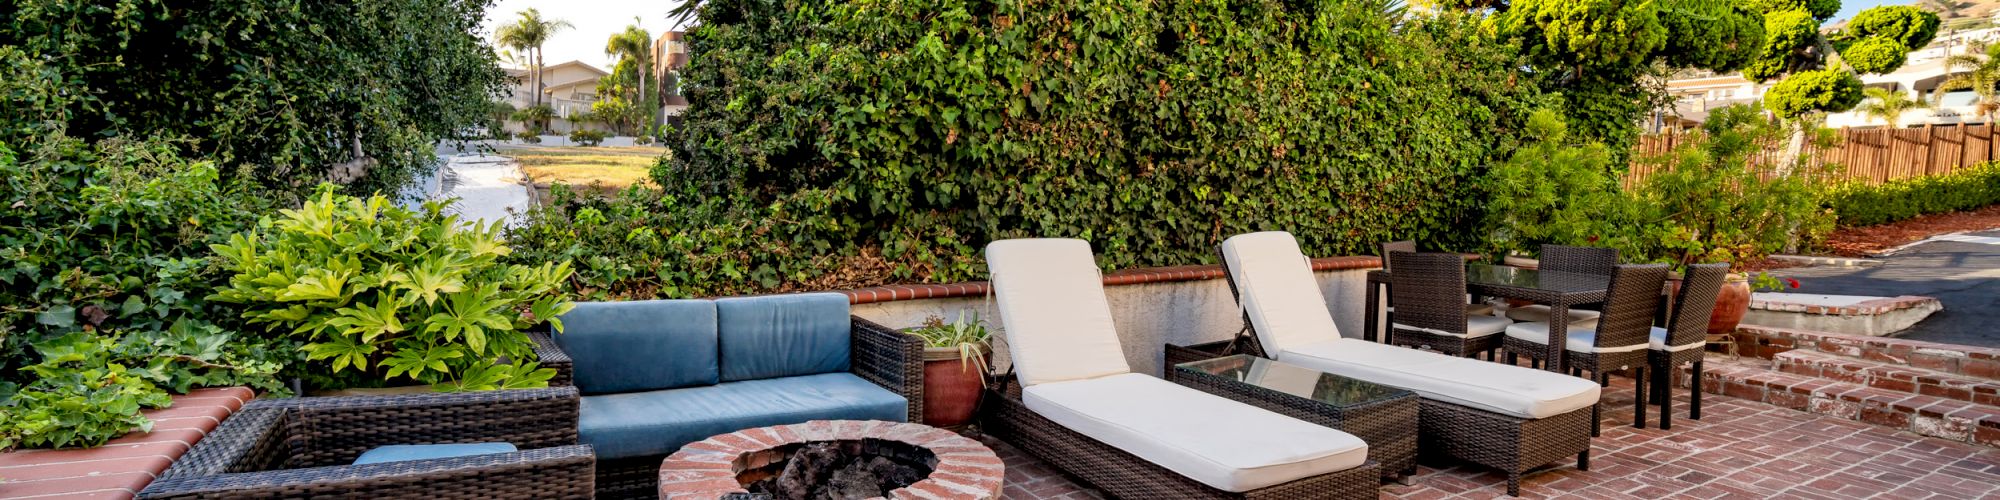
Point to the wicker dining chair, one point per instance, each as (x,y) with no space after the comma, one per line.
(1472,308)
(1683,339)
(1618,342)
(1428,290)
(1570,259)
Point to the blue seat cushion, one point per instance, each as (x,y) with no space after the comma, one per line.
(640,345)
(657,423)
(407,452)
(783,335)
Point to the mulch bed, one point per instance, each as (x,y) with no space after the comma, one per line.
(1863,241)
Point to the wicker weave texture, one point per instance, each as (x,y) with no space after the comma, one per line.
(1585,260)
(1687,325)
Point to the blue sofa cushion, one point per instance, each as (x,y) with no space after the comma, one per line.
(640,345)
(657,423)
(783,335)
(407,452)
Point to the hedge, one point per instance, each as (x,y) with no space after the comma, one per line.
(1860,204)
(906,134)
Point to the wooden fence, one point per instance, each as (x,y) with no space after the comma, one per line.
(1874,155)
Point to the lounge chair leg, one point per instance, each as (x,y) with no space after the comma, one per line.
(1694,393)
(1596,419)
(1513,484)
(1639,397)
(1513,359)
(1603,379)
(1583,461)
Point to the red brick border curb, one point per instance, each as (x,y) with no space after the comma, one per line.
(122,467)
(892,293)
(707,469)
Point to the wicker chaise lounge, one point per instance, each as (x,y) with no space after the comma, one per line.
(1507,417)
(1073,401)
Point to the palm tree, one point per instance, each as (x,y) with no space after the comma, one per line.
(636,45)
(1979,72)
(528,34)
(1889,105)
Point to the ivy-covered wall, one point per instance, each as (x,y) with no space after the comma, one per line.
(921,129)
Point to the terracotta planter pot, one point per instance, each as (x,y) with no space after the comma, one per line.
(951,387)
(1730,305)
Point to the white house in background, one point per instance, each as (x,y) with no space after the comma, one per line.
(567,88)
(1698,92)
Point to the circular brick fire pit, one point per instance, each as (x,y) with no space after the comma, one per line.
(726,465)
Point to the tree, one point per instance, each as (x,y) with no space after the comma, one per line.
(1811,83)
(634,46)
(1889,105)
(528,34)
(1978,72)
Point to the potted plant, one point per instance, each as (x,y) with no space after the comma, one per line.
(954,368)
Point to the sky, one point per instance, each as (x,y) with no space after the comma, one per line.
(595,21)
(1849,8)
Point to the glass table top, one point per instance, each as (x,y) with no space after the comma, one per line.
(1291,379)
(1555,281)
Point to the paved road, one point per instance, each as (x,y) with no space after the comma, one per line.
(1964,276)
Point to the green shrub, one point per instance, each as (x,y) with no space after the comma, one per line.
(529,136)
(81,396)
(1861,204)
(1825,90)
(1907,25)
(383,294)
(586,137)
(1549,191)
(1713,199)
(1874,55)
(833,142)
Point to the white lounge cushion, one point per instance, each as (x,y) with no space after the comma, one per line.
(1537,312)
(1658,341)
(1475,327)
(1495,387)
(1579,339)
(1227,445)
(1276,288)
(1053,313)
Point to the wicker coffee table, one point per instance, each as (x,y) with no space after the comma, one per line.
(1384,417)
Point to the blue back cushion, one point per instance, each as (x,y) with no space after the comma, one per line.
(641,345)
(783,335)
(407,452)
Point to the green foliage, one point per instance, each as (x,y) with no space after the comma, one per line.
(1888,105)
(80,397)
(967,334)
(284,85)
(846,143)
(586,137)
(1862,204)
(1787,35)
(1719,36)
(1874,55)
(535,118)
(1909,26)
(1601,35)
(1826,90)
(379,293)
(1818,9)
(1549,191)
(1713,199)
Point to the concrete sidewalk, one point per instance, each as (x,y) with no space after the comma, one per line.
(1962,272)
(489,188)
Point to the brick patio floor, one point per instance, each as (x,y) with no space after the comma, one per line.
(1739,449)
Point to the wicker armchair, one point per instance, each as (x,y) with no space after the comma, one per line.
(1618,342)
(302,447)
(1683,339)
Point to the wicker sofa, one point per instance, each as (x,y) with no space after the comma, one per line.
(1507,417)
(656,375)
(1073,401)
(321,447)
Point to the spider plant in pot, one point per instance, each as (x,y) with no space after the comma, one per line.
(954,368)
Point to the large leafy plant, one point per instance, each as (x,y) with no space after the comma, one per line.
(381,294)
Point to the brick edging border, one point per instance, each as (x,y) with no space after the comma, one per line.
(1136,276)
(1864,308)
(122,467)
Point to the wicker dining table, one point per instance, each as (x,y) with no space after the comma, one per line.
(1558,290)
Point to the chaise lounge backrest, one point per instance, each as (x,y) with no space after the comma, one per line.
(1275,286)
(652,345)
(1055,308)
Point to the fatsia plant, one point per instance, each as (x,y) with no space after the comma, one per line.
(378,293)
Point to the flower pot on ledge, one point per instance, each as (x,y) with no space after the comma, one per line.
(1730,305)
(951,386)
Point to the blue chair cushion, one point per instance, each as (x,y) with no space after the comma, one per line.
(407,452)
(657,423)
(640,345)
(783,335)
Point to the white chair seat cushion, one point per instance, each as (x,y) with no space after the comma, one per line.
(1224,444)
(1658,341)
(1540,313)
(1470,309)
(1579,339)
(1504,389)
(1475,327)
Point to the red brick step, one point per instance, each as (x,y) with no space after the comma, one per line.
(1894,377)
(1962,360)
(1945,418)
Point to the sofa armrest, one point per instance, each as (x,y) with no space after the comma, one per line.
(552,356)
(891,359)
(555,472)
(323,431)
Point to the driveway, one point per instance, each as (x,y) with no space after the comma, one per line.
(1963,275)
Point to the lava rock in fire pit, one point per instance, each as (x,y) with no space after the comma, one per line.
(829,471)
